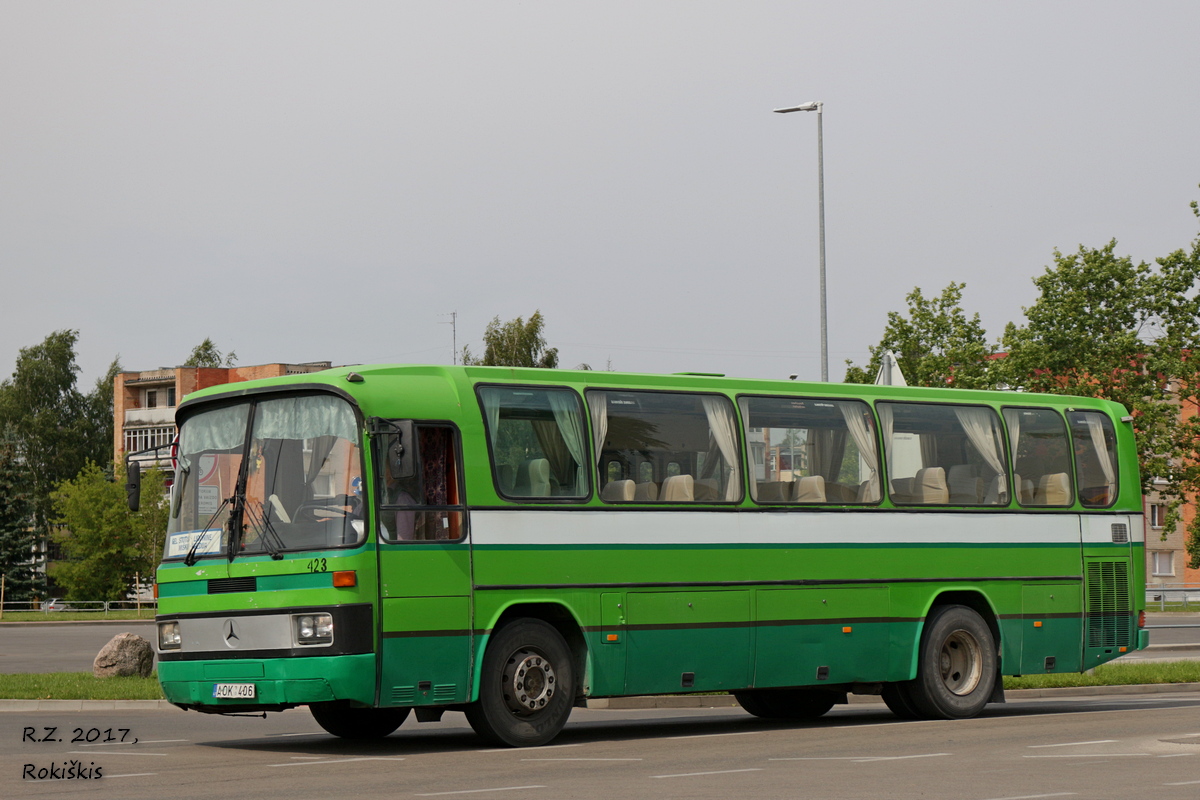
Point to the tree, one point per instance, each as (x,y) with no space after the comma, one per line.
(59,429)
(936,344)
(206,354)
(105,544)
(515,343)
(17,538)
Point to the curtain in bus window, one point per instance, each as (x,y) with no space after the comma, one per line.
(864,438)
(570,427)
(723,430)
(223,429)
(598,407)
(304,418)
(887,423)
(1096,429)
(980,426)
(827,448)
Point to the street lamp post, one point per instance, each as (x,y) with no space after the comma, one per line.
(816,105)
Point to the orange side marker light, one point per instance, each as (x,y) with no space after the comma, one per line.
(1037,624)
(345,578)
(612,637)
(847,629)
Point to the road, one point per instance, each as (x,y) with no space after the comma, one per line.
(1143,746)
(71,647)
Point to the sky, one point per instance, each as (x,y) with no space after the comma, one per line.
(329,181)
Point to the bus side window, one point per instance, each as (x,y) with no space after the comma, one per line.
(1095,458)
(426,506)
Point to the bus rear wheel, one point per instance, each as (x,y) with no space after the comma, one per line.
(786,703)
(956,668)
(526,687)
(357,723)
(899,702)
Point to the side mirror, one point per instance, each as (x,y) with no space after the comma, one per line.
(133,484)
(402,450)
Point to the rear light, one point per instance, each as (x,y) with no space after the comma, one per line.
(1141,619)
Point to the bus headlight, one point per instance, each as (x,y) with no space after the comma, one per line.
(313,628)
(168,636)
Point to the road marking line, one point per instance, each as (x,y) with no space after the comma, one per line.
(337,761)
(1092,755)
(543,747)
(858,759)
(1036,796)
(114,753)
(132,775)
(478,791)
(1177,755)
(718,772)
(592,759)
(1182,783)
(1073,744)
(710,735)
(314,733)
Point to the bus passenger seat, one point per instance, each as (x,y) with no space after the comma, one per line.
(678,489)
(810,489)
(930,486)
(1024,490)
(507,474)
(1054,490)
(533,478)
(617,491)
(774,491)
(706,490)
(965,488)
(645,492)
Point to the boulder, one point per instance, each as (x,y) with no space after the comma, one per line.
(125,654)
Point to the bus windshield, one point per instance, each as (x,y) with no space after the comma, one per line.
(287,471)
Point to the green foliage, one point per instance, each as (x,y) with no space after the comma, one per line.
(105,543)
(206,354)
(17,538)
(936,344)
(58,428)
(515,343)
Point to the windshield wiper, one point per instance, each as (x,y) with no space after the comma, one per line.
(271,540)
(190,558)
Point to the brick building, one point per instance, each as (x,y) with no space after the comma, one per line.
(144,402)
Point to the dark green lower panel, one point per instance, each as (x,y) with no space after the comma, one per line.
(281,681)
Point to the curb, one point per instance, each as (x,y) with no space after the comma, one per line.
(84,705)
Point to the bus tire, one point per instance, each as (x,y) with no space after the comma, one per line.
(956,666)
(786,703)
(526,687)
(899,702)
(347,722)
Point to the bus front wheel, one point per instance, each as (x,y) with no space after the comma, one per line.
(786,703)
(357,723)
(526,687)
(956,669)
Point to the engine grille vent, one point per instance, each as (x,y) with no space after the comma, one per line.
(1120,532)
(1108,604)
(226,585)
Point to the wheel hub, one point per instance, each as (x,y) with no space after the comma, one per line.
(529,682)
(961,663)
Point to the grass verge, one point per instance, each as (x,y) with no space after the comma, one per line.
(77,686)
(1114,675)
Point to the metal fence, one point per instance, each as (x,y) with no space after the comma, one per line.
(97,607)
(1186,595)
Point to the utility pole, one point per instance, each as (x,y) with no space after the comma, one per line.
(453,323)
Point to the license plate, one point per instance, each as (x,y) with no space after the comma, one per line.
(238,691)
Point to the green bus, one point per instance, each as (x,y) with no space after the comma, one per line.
(512,542)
